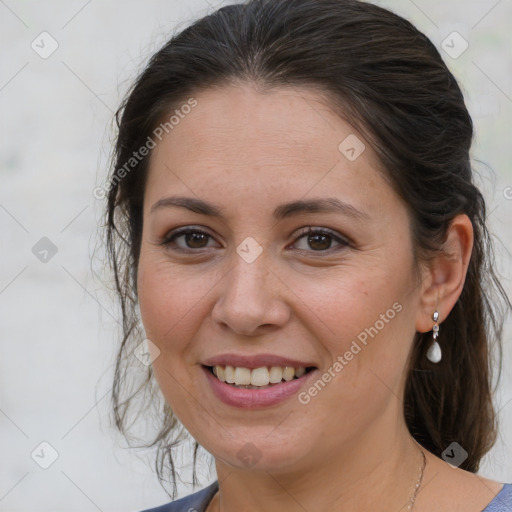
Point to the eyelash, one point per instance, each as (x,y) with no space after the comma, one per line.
(170,239)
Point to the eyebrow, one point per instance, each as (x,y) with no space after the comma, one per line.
(324,205)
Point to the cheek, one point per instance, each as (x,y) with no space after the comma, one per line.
(168,306)
(367,356)
(365,321)
(357,301)
(169,301)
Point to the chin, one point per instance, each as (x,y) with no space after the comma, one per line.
(259,453)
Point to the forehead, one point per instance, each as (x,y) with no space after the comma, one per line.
(239,138)
(246,117)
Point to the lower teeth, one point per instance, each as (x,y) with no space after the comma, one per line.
(254,387)
(257,387)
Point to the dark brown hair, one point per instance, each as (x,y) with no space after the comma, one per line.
(389,81)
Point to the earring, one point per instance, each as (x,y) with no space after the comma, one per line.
(434,352)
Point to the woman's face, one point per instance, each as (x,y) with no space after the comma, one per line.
(252,289)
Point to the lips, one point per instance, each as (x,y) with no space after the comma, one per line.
(219,369)
(267,396)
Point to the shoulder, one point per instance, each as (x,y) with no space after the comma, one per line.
(196,502)
(454,489)
(502,502)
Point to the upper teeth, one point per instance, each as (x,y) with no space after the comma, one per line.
(257,377)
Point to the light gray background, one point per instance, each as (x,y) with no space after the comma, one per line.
(57,322)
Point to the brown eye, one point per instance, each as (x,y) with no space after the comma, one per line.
(320,240)
(192,239)
(196,240)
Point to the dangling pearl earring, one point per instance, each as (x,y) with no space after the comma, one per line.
(434,353)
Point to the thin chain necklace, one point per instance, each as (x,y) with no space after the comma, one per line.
(412,498)
(410,504)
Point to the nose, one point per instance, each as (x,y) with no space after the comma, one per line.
(252,298)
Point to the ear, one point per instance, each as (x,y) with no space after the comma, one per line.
(444,278)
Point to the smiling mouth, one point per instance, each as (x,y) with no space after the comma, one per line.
(257,378)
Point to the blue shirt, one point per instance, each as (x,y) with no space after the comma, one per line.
(198,501)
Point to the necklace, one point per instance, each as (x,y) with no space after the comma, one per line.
(412,498)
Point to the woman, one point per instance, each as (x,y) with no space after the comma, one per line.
(292,209)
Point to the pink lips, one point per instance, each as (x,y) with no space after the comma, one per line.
(257,398)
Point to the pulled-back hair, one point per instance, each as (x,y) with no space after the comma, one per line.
(388,81)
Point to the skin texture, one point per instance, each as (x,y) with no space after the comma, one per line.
(247,151)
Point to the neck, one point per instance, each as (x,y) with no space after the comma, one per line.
(374,473)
